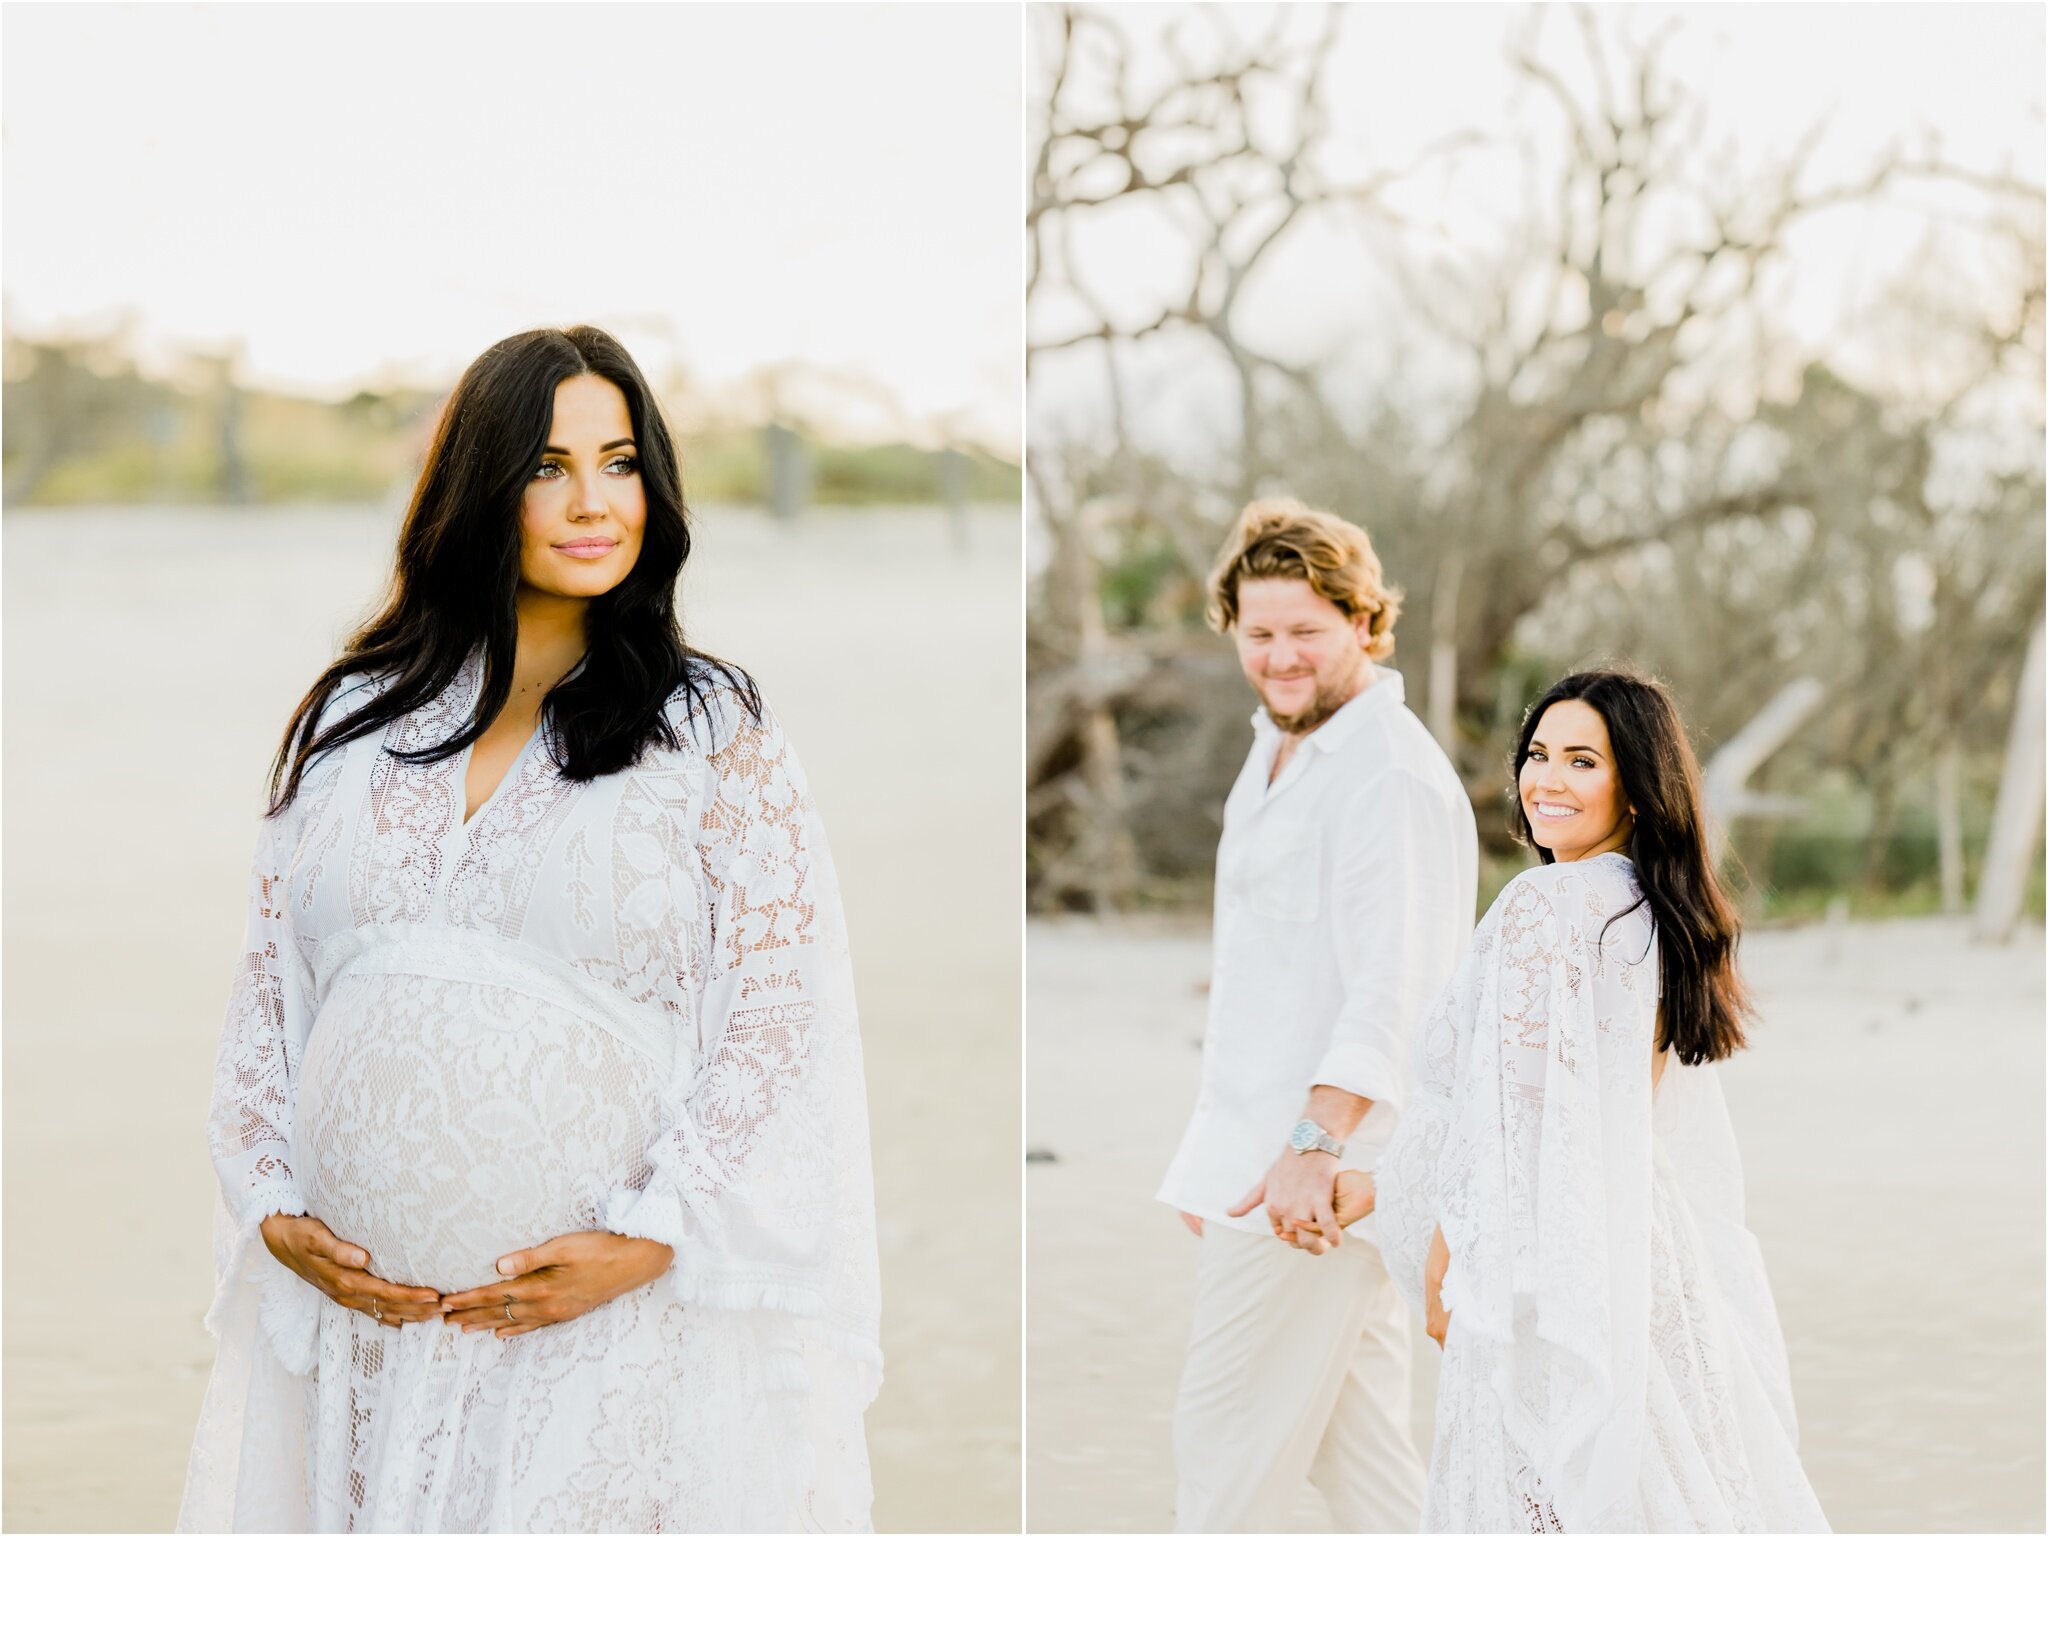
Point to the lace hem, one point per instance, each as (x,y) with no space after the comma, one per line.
(659,1450)
(272,1198)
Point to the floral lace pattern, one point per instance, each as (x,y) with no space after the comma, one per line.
(511,1119)
(413,811)
(572,1429)
(661,922)
(1613,1362)
(623,1004)
(508,842)
(251,1127)
(249,1131)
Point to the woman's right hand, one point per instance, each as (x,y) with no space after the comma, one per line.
(337,1271)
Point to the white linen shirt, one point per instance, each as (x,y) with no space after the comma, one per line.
(1345,893)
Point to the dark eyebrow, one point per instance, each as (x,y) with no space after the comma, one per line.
(1587,749)
(616,443)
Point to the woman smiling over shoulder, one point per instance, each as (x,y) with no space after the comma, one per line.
(1563,1196)
(539,1115)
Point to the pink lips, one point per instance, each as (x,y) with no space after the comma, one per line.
(591,545)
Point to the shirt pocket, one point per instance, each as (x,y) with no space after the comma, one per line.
(1283,873)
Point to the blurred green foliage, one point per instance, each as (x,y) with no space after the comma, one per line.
(731,464)
(84,426)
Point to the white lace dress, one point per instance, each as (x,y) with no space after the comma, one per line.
(1614,1362)
(624,1004)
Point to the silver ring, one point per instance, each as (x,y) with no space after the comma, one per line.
(508,1309)
(376,1309)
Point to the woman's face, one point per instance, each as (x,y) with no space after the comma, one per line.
(584,510)
(1570,790)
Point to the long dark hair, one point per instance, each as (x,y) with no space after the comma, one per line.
(1697,928)
(455,584)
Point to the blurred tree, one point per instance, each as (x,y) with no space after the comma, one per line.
(1617,455)
(66,397)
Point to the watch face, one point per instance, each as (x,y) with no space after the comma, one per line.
(1306,1135)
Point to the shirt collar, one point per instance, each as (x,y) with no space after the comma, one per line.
(1386,693)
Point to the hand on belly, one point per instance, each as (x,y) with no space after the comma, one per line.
(556,1281)
(442,1125)
(339,1271)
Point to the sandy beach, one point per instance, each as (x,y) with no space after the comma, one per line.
(1891,1122)
(151,659)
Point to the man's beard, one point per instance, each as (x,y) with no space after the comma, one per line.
(1330,698)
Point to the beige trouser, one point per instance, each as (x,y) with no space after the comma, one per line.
(1297,1369)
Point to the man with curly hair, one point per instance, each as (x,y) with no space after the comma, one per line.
(1345,886)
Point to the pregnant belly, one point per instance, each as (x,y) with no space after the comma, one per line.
(442,1123)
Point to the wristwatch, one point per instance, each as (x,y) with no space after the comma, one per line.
(1310,1137)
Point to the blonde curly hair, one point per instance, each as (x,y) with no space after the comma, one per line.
(1284,539)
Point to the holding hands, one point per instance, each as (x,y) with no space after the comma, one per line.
(1351,1200)
(1299,1194)
(1309,1204)
(548,1284)
(1308,1200)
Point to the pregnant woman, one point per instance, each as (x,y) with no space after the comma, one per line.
(539,1115)
(1564,1197)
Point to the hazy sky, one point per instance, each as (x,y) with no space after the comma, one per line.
(1404,76)
(359,192)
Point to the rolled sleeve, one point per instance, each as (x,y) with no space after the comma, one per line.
(1352,1065)
(1393,887)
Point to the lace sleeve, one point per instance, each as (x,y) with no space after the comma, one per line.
(1543,1183)
(1403,1219)
(758,1005)
(1425,1174)
(1535,961)
(740,1179)
(250,1123)
(1519,1176)
(250,1127)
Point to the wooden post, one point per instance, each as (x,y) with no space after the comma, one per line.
(2016,820)
(1948,825)
(1727,774)
(1443,650)
(234,466)
(953,476)
(788,471)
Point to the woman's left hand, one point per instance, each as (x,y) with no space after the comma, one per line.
(1436,1317)
(556,1281)
(1355,1196)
